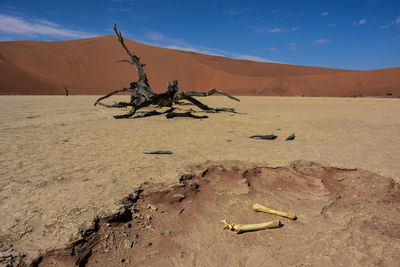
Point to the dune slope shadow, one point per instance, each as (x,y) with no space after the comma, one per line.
(345,217)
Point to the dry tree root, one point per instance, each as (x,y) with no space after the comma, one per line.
(143,96)
(159,152)
(265,137)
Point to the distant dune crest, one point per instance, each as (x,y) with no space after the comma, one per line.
(89,66)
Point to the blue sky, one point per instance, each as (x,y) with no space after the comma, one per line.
(349,34)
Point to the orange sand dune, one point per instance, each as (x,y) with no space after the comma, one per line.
(89,66)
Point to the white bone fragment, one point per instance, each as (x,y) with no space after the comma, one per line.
(261,208)
(241,228)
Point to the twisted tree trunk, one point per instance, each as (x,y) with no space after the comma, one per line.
(143,96)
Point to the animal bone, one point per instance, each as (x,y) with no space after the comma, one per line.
(261,208)
(241,228)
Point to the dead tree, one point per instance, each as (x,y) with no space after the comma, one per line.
(143,96)
(66,90)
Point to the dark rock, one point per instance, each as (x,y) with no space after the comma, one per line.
(185,177)
(5,254)
(290,137)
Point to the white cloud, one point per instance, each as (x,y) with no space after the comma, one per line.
(361,22)
(292,46)
(251,58)
(159,39)
(326,13)
(272,49)
(258,29)
(322,41)
(394,22)
(30,28)
(275,30)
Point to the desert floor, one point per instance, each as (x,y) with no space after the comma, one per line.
(64,162)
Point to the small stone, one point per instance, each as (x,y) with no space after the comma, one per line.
(340,179)
(149,244)
(152,207)
(128,244)
(4,254)
(165,232)
(122,260)
(373,187)
(179,197)
(149,227)
(129,225)
(108,224)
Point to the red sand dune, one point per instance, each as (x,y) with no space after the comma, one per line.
(89,66)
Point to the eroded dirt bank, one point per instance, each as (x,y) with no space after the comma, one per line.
(345,218)
(64,162)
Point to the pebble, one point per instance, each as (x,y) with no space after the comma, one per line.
(122,259)
(152,207)
(165,232)
(340,179)
(148,245)
(5,254)
(136,216)
(179,197)
(128,244)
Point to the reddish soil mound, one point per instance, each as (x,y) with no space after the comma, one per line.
(345,218)
(89,66)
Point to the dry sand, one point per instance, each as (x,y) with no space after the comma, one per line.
(65,162)
(89,66)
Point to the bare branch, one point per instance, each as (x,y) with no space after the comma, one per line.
(202,94)
(142,95)
(205,107)
(134,59)
(127,115)
(110,94)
